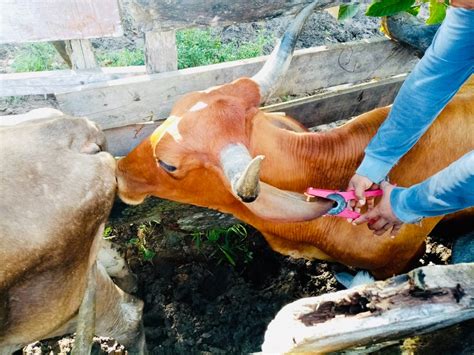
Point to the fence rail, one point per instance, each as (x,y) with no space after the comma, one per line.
(128,102)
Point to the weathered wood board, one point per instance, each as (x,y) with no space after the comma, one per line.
(150,97)
(81,54)
(166,15)
(50,20)
(121,140)
(161,54)
(341,102)
(59,81)
(425,299)
(329,106)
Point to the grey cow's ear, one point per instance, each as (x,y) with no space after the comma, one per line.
(91,148)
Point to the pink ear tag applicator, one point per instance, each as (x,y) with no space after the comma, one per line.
(341,199)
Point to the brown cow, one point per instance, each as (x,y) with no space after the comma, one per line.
(202,154)
(57,190)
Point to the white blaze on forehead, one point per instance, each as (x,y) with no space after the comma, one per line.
(198,106)
(170,126)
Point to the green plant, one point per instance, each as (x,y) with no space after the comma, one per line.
(107,233)
(227,244)
(201,47)
(195,47)
(121,58)
(144,230)
(12,100)
(379,8)
(37,57)
(347,11)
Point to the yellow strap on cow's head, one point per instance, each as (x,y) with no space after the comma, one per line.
(169,126)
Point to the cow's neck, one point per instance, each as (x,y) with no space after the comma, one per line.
(324,160)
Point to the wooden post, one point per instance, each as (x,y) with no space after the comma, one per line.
(161,54)
(61,49)
(81,54)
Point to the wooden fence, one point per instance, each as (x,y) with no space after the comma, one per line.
(342,80)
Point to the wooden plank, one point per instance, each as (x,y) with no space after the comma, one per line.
(58,81)
(81,54)
(150,97)
(425,299)
(50,20)
(161,54)
(341,102)
(167,15)
(329,106)
(61,49)
(121,140)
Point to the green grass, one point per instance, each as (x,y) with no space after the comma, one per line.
(200,47)
(228,245)
(37,57)
(195,46)
(121,58)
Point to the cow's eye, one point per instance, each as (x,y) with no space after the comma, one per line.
(167,167)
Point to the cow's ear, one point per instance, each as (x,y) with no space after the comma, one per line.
(247,90)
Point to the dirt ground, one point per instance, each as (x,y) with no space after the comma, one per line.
(196,301)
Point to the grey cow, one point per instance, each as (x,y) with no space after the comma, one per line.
(57,187)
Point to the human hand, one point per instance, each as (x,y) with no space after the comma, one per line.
(381,218)
(360,184)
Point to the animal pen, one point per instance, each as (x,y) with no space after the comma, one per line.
(329,83)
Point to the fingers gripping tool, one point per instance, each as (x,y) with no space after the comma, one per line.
(341,200)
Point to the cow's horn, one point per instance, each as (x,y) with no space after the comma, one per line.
(274,69)
(248,187)
(242,171)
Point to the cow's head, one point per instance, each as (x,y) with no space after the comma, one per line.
(200,155)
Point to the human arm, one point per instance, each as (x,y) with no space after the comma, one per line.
(448,191)
(446,65)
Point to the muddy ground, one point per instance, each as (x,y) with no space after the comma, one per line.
(196,300)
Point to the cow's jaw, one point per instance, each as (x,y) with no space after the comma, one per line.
(132,182)
(126,197)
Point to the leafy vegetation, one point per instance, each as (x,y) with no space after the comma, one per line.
(388,7)
(201,47)
(107,233)
(347,11)
(121,58)
(37,57)
(227,244)
(379,8)
(195,47)
(437,12)
(144,231)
